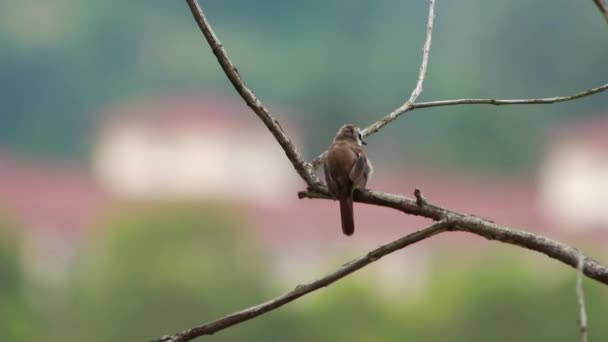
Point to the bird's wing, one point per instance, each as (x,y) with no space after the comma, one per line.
(361,169)
(331,183)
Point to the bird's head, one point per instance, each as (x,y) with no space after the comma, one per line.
(350,132)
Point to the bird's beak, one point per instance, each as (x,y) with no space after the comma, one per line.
(363,142)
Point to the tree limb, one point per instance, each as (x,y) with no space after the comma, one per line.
(496,102)
(421,75)
(301,290)
(580,296)
(476,225)
(602,7)
(545,100)
(407,105)
(295,157)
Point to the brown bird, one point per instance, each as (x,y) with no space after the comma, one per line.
(347,168)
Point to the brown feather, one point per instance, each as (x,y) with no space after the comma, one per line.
(346,168)
(346,214)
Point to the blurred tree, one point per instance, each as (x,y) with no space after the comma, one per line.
(159,269)
(164,269)
(17,322)
(499,299)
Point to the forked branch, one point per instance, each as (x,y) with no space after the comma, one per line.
(447,220)
(421,76)
(408,107)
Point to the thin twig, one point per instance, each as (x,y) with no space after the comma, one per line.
(602,7)
(411,105)
(295,157)
(409,108)
(301,290)
(441,103)
(407,105)
(421,75)
(545,100)
(580,295)
(420,199)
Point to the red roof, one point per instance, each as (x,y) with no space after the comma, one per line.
(179,113)
(47,195)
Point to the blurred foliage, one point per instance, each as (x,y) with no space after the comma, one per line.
(167,268)
(336,61)
(151,274)
(17,321)
(497,300)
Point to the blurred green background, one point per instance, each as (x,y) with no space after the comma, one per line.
(154,274)
(336,61)
(151,269)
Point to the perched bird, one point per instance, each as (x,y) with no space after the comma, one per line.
(346,168)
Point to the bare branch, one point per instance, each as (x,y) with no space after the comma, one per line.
(301,290)
(448,220)
(545,100)
(602,7)
(580,296)
(306,170)
(420,199)
(295,157)
(407,107)
(413,96)
(476,225)
(421,75)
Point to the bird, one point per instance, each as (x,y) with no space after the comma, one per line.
(346,169)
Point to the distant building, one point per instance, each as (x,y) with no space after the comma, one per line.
(573,177)
(191,147)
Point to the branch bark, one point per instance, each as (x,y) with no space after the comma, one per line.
(303,168)
(494,102)
(421,76)
(475,225)
(301,290)
(602,7)
(580,296)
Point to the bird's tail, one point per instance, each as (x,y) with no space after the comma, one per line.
(346,212)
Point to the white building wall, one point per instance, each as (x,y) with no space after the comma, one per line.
(573,184)
(132,162)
